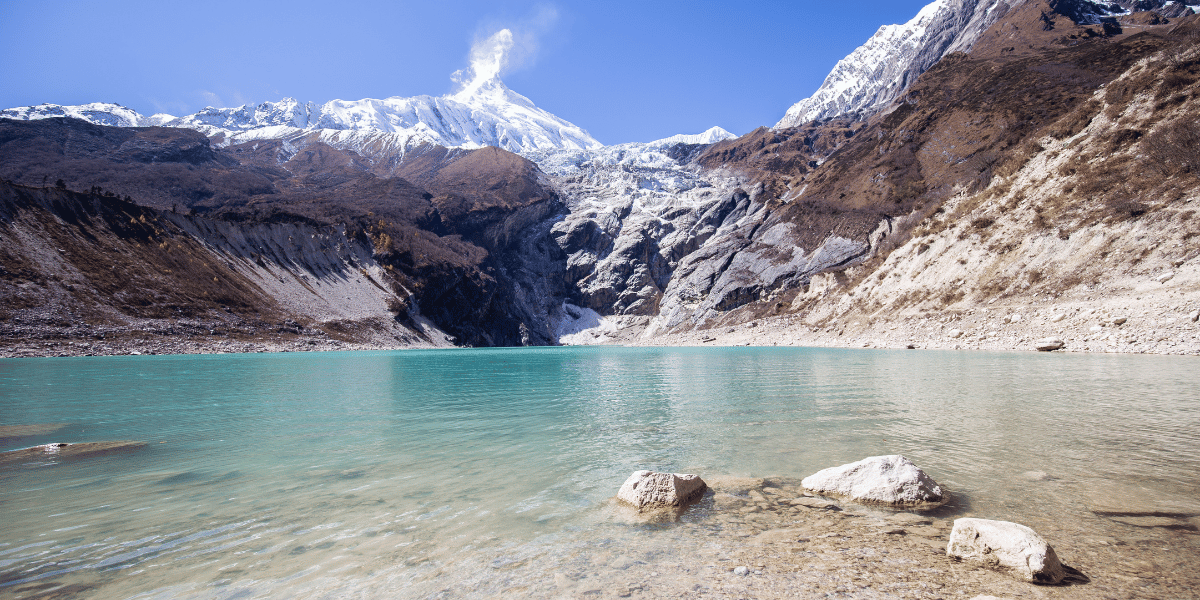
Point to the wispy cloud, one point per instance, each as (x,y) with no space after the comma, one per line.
(501,48)
(218,101)
(212,99)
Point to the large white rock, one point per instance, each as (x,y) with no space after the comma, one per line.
(891,479)
(1048,344)
(1008,545)
(647,490)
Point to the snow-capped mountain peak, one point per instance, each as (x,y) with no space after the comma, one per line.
(483,112)
(710,136)
(100,113)
(881,69)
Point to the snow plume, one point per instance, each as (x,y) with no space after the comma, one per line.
(504,51)
(489,58)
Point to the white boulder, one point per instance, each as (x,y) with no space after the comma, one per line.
(1008,545)
(1048,344)
(892,480)
(646,490)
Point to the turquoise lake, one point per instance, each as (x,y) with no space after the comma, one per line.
(419,473)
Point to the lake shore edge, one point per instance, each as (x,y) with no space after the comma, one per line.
(1089,333)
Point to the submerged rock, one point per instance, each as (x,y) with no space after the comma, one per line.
(892,480)
(1006,545)
(1114,500)
(816,503)
(648,490)
(65,451)
(1151,521)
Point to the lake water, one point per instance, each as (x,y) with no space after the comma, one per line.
(429,473)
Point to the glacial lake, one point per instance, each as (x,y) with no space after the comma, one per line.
(450,473)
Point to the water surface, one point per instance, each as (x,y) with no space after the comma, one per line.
(417,473)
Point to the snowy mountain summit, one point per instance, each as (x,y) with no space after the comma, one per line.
(880,70)
(483,112)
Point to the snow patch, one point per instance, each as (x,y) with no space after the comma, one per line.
(580,326)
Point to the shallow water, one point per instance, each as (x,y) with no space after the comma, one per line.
(426,473)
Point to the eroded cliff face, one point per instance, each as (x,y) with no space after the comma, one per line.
(657,241)
(456,245)
(102,271)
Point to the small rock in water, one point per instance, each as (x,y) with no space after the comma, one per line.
(892,480)
(1035,475)
(743,570)
(648,490)
(1048,344)
(1008,545)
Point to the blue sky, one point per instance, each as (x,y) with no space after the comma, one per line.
(625,71)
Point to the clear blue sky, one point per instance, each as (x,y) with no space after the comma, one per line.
(625,71)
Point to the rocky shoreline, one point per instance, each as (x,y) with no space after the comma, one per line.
(1083,327)
(794,550)
(1172,332)
(765,538)
(877,528)
(156,337)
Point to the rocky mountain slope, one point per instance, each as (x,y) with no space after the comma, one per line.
(1086,231)
(809,223)
(877,72)
(1023,195)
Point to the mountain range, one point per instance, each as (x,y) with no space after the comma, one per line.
(988,154)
